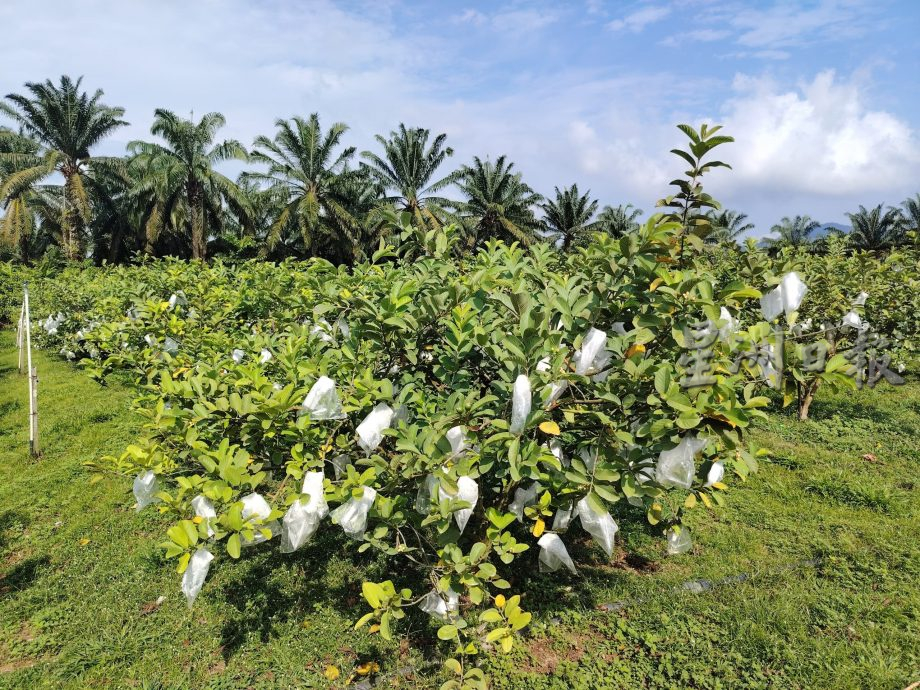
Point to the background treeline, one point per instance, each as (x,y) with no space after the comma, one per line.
(303,191)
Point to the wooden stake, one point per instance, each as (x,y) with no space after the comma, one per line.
(33,377)
(19,327)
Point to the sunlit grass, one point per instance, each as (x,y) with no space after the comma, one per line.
(77,613)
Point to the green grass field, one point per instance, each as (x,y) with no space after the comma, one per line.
(81,575)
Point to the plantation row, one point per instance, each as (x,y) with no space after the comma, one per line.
(458,416)
(465,416)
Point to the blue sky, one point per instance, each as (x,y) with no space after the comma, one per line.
(822,96)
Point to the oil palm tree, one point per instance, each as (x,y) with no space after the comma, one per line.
(910,211)
(875,228)
(67,123)
(184,191)
(795,232)
(310,173)
(497,204)
(569,215)
(618,220)
(727,226)
(407,171)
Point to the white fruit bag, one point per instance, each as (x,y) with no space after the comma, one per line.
(771,304)
(467,490)
(590,356)
(716,473)
(523,498)
(555,391)
(456,436)
(427,493)
(438,605)
(793,292)
(563,518)
(205,510)
(255,506)
(322,402)
(599,525)
(521,400)
(553,554)
(171,345)
(852,320)
(370,431)
(679,542)
(265,356)
(238,355)
(727,331)
(195,573)
(145,488)
(675,467)
(303,517)
(352,515)
(339,463)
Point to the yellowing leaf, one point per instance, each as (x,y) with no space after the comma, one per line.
(706,500)
(84,541)
(197,519)
(331,672)
(367,668)
(500,601)
(636,349)
(374,628)
(655,284)
(690,502)
(550,428)
(538,528)
(720,485)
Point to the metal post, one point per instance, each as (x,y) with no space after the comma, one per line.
(33,377)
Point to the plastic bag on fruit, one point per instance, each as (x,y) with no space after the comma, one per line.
(370,431)
(521,400)
(238,355)
(678,541)
(523,498)
(598,524)
(339,463)
(553,554)
(456,436)
(676,468)
(351,516)
(591,357)
(255,506)
(304,516)
(265,356)
(145,489)
(322,401)
(716,473)
(467,490)
(427,493)
(785,297)
(438,605)
(195,573)
(728,330)
(563,518)
(205,510)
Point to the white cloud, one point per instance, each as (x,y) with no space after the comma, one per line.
(638,20)
(821,139)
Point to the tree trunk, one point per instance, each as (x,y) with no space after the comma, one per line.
(72,227)
(808,394)
(198,233)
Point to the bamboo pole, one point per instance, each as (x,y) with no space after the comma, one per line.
(33,377)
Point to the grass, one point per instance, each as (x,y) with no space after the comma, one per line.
(84,614)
